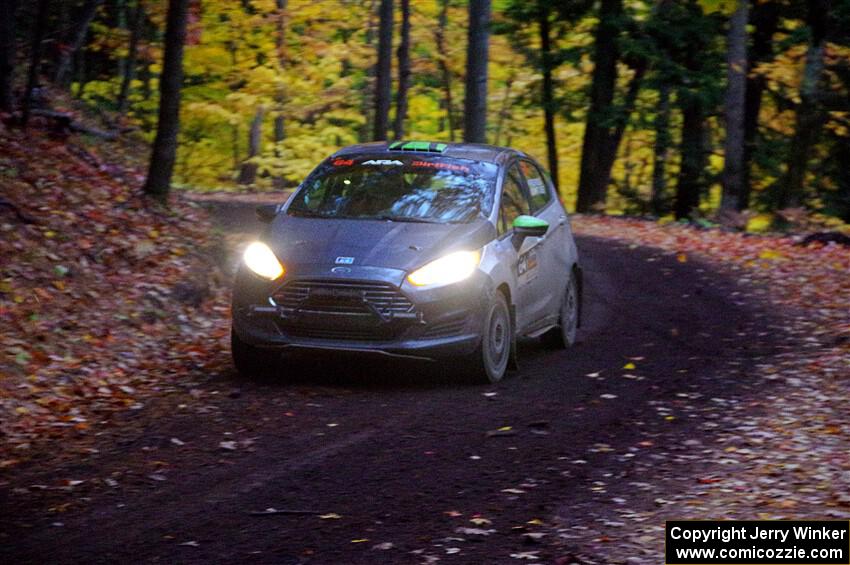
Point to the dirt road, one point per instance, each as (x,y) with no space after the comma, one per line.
(391,462)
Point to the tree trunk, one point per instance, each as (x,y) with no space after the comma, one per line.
(808,124)
(121,10)
(280,38)
(132,55)
(367,99)
(164,151)
(7,54)
(809,119)
(661,148)
(765,20)
(279,128)
(73,41)
(612,138)
(736,88)
(145,77)
(477,56)
(445,72)
(692,150)
(547,97)
(403,70)
(280,99)
(592,185)
(248,171)
(35,59)
(383,82)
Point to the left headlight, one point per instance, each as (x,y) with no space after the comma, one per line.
(452,268)
(262,261)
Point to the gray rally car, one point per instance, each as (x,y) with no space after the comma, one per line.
(411,249)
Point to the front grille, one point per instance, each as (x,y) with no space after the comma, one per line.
(340,309)
(344,298)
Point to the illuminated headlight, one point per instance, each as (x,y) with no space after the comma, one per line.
(452,268)
(262,261)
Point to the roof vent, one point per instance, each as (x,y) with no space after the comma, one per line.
(426,146)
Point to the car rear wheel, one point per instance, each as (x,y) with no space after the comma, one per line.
(490,361)
(252,361)
(564,335)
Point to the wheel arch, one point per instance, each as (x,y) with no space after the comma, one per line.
(505,289)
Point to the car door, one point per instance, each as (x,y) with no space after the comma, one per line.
(554,250)
(514,202)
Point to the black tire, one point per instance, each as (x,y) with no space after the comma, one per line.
(564,336)
(252,361)
(490,360)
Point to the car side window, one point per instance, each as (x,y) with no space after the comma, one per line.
(538,188)
(513,202)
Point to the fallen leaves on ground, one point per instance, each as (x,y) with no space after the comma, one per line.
(105,300)
(784,454)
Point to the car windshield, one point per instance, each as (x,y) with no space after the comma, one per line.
(400,188)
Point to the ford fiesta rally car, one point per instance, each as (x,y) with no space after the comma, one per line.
(411,249)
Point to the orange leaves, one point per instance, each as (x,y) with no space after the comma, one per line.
(87,325)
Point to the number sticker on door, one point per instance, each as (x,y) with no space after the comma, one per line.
(526,268)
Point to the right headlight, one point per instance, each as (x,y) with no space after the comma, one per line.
(451,268)
(262,261)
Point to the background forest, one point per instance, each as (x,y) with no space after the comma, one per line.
(694,109)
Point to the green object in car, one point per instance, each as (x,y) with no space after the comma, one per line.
(418,146)
(530,222)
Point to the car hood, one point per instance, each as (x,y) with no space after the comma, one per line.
(371,243)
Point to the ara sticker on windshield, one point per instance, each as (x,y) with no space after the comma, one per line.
(383,162)
(343,162)
(527,264)
(440,166)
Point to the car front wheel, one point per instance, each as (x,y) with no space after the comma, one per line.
(490,361)
(252,361)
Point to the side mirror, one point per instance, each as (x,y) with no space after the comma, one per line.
(267,212)
(529,226)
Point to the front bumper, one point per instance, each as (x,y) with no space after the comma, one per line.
(423,323)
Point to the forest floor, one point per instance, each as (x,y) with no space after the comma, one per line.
(782,453)
(713,367)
